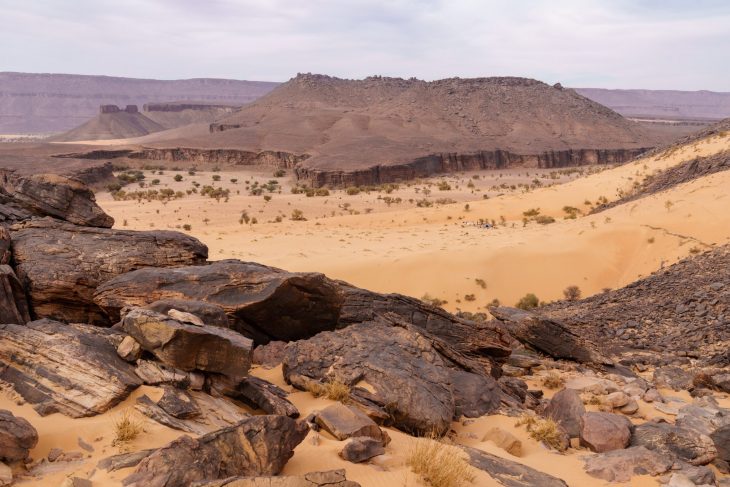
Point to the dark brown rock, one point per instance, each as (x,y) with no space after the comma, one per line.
(210,314)
(332,478)
(509,473)
(549,336)
(409,371)
(13,305)
(74,370)
(680,444)
(721,438)
(566,407)
(123,460)
(178,403)
(269,355)
(602,432)
(24,197)
(361,449)
(257,446)
(266,396)
(190,347)
(152,410)
(17,437)
(621,465)
(4,245)
(673,377)
(345,422)
(61,264)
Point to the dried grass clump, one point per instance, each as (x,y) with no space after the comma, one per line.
(332,389)
(553,380)
(439,465)
(544,430)
(126,428)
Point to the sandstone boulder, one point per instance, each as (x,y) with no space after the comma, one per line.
(257,446)
(361,449)
(673,377)
(676,442)
(129,349)
(178,403)
(71,369)
(410,372)
(190,347)
(621,465)
(332,478)
(25,197)
(61,265)
(509,473)
(266,396)
(13,305)
(345,422)
(602,432)
(549,336)
(566,407)
(17,437)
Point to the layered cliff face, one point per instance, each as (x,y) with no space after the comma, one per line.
(386,129)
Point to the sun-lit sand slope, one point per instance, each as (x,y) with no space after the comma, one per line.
(419,251)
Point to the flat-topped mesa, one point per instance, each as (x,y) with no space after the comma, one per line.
(179,107)
(116,109)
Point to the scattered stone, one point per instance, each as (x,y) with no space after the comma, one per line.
(361,449)
(652,395)
(190,347)
(183,317)
(17,437)
(680,480)
(178,403)
(129,349)
(71,369)
(257,446)
(616,399)
(54,454)
(566,407)
(673,377)
(509,473)
(344,422)
(266,396)
(593,385)
(123,460)
(630,408)
(621,465)
(505,440)
(671,409)
(602,432)
(84,446)
(76,482)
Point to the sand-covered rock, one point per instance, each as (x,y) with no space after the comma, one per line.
(17,437)
(61,264)
(190,347)
(73,370)
(258,446)
(25,197)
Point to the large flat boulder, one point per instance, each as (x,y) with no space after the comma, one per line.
(676,442)
(331,478)
(409,371)
(73,370)
(602,432)
(190,347)
(13,305)
(61,265)
(345,422)
(269,304)
(17,437)
(621,465)
(509,473)
(258,446)
(25,197)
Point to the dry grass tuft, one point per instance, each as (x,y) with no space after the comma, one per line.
(333,389)
(439,465)
(553,380)
(544,430)
(126,428)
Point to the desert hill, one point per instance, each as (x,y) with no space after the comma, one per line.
(112,123)
(380,129)
(44,103)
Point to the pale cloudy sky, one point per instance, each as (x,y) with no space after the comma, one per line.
(655,44)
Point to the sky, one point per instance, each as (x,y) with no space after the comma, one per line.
(651,44)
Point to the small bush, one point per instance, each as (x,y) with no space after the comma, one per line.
(438,464)
(426,298)
(187,227)
(481,283)
(544,430)
(332,389)
(352,190)
(544,219)
(553,380)
(470,297)
(279,173)
(528,301)
(572,293)
(178,177)
(216,177)
(297,215)
(126,428)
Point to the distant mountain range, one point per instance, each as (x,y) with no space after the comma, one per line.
(45,103)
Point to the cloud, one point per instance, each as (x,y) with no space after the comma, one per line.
(668,44)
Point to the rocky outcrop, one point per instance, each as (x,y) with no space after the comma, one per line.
(676,442)
(73,370)
(332,478)
(17,437)
(61,265)
(410,371)
(266,304)
(440,163)
(548,336)
(257,446)
(190,347)
(13,305)
(509,473)
(25,197)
